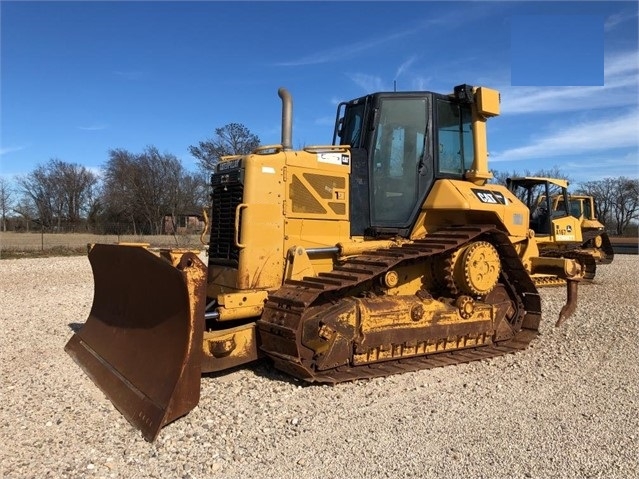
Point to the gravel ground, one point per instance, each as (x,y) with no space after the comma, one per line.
(564,408)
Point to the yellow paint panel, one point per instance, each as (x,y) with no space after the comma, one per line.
(462,202)
(487,101)
(316,193)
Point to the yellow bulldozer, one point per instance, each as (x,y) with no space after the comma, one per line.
(384,252)
(596,241)
(564,225)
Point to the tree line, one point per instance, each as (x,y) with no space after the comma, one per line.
(134,193)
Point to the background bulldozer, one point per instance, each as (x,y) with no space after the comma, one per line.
(593,232)
(564,225)
(383,252)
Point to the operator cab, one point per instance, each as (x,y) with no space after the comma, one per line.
(580,207)
(546,199)
(401,142)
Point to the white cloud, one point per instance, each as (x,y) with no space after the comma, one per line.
(10,149)
(621,73)
(346,51)
(373,83)
(368,83)
(621,163)
(404,66)
(421,83)
(599,166)
(450,19)
(93,127)
(96,170)
(613,20)
(604,134)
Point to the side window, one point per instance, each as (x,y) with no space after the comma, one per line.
(588,213)
(467,136)
(352,133)
(455,137)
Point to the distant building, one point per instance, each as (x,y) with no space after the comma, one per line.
(187,223)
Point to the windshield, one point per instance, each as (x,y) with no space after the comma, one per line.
(398,149)
(575,208)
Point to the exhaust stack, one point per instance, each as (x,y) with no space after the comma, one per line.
(287,118)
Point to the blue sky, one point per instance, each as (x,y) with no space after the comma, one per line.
(80,78)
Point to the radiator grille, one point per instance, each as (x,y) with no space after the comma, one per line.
(222,249)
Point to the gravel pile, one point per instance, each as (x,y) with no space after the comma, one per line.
(564,408)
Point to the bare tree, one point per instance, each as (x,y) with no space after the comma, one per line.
(77,184)
(118,193)
(194,194)
(157,185)
(26,211)
(6,200)
(59,192)
(617,200)
(93,207)
(39,189)
(144,188)
(626,203)
(604,192)
(231,139)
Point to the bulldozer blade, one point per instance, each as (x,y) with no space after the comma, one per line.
(142,342)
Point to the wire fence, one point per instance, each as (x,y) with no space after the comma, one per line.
(42,241)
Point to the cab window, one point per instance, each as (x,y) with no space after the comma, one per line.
(352,130)
(398,148)
(455,137)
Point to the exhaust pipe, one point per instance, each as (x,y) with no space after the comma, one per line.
(287,118)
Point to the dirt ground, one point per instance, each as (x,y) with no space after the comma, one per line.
(561,409)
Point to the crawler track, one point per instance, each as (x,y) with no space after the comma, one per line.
(586,260)
(288,308)
(606,246)
(583,254)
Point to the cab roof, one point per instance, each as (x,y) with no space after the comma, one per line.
(528,181)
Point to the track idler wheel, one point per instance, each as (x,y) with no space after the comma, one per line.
(597,241)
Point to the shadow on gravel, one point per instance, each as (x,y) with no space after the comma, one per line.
(263,368)
(75,327)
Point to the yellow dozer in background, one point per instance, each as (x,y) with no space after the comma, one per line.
(383,252)
(596,241)
(563,225)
